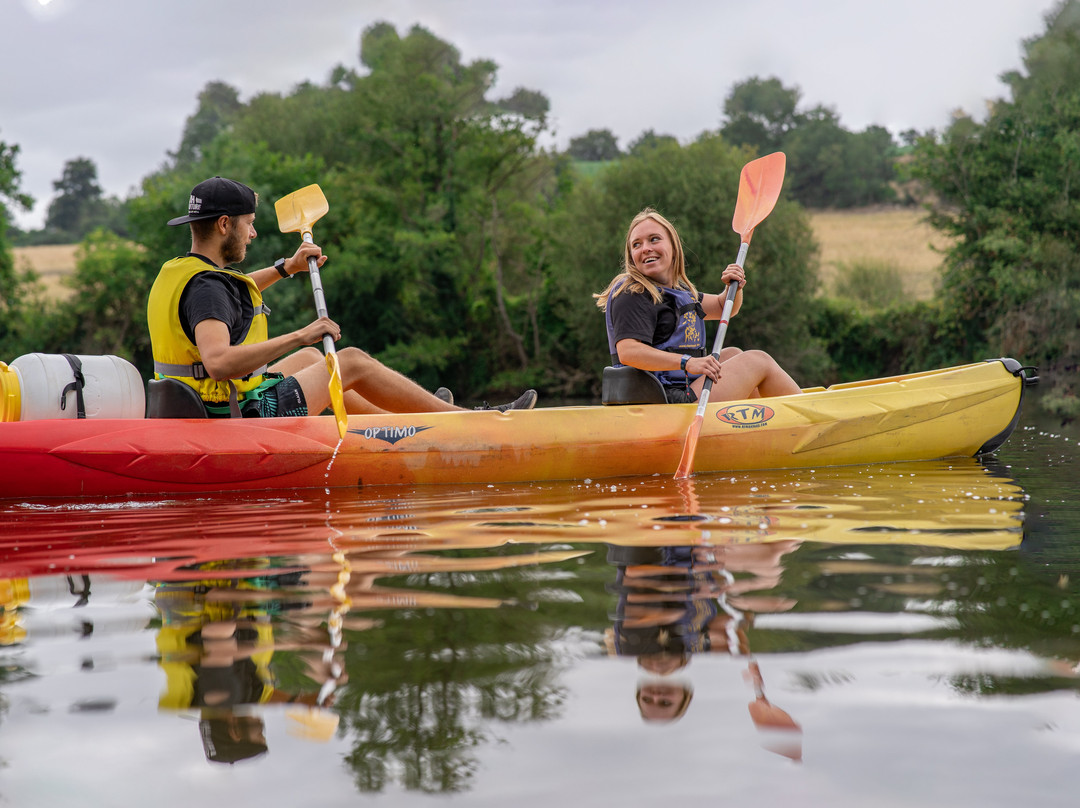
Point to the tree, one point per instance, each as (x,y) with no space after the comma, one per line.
(104,316)
(833,167)
(435,192)
(218,105)
(526,103)
(1008,191)
(594,146)
(760,113)
(828,166)
(13,286)
(649,140)
(78,202)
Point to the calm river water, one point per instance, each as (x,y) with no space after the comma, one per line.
(902,635)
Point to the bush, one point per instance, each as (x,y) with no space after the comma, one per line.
(871,283)
(904,338)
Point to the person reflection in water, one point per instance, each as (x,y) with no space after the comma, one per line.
(674,602)
(216,644)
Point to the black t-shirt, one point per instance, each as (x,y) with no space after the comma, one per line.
(635,316)
(217,296)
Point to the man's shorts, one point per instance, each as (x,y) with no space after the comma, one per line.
(284,400)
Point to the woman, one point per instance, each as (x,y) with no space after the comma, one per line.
(655,322)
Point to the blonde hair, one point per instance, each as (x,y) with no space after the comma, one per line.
(631,279)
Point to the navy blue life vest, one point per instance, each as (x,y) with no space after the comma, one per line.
(688,337)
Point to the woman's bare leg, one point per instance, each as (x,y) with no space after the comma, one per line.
(746,373)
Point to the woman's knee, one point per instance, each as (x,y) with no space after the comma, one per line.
(760,358)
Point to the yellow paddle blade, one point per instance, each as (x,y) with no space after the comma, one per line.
(759,188)
(298,211)
(337,394)
(312,723)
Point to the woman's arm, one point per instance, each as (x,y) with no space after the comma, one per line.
(714,304)
(645,357)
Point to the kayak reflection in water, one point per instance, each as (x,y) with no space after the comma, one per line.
(674,602)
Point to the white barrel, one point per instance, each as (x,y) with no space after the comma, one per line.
(113,387)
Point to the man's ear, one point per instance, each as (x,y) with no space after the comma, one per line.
(221,226)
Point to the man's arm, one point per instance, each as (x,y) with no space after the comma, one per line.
(224,361)
(298,262)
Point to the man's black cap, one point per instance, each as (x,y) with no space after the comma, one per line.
(216,197)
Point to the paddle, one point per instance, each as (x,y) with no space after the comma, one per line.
(759,188)
(297,212)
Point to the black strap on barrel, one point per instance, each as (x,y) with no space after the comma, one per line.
(77,386)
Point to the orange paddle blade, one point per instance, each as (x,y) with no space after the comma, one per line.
(686,465)
(759,188)
(337,394)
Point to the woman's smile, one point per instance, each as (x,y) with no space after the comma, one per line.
(651,249)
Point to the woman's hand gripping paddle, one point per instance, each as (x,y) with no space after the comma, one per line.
(759,188)
(297,212)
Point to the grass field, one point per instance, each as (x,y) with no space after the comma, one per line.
(891,236)
(895,237)
(53,262)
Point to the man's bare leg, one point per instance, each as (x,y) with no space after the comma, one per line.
(370,386)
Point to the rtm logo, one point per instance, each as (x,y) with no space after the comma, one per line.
(390,434)
(745,416)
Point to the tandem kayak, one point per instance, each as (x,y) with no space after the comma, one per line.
(962,411)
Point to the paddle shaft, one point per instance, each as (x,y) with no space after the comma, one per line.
(320,298)
(725,316)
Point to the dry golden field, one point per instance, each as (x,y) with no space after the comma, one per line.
(52,262)
(893,236)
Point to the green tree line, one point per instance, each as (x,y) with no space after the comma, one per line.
(464,253)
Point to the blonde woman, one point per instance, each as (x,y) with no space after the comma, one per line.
(655,322)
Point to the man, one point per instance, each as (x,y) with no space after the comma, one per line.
(208,327)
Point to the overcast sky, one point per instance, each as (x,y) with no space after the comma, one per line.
(114,80)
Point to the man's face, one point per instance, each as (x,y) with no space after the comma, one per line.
(240,230)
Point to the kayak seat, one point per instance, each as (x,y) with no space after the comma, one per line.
(169,398)
(627,385)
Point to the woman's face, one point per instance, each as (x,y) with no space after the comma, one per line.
(658,702)
(652,251)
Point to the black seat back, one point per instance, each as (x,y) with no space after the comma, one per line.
(169,398)
(627,385)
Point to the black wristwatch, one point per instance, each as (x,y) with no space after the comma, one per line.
(685,359)
(279,265)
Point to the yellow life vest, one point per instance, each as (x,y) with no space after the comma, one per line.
(176,356)
(180,662)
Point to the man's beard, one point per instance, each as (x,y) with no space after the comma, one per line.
(234,249)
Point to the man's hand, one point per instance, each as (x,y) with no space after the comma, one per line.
(313,332)
(299,260)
